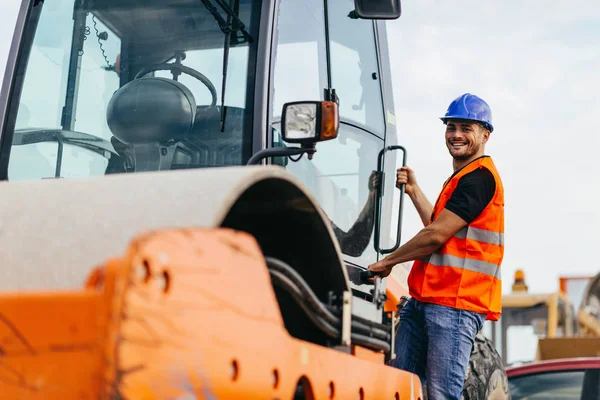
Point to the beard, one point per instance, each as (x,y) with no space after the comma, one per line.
(463,154)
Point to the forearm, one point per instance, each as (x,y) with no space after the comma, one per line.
(422,244)
(423,206)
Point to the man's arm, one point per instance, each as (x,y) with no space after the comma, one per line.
(406,176)
(472,194)
(427,241)
(422,204)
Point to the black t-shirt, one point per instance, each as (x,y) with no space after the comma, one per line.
(473,193)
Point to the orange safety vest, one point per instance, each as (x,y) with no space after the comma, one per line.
(465,272)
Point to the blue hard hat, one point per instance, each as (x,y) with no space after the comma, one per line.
(468,106)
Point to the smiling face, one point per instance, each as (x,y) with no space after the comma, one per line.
(465,139)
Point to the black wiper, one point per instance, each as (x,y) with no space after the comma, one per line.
(233,24)
(225,65)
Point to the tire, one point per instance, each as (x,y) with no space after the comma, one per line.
(485,378)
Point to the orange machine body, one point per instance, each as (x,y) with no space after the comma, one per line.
(184,314)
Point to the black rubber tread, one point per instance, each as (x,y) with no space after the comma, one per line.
(485,373)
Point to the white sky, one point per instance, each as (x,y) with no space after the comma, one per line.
(536,64)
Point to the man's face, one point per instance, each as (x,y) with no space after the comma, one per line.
(465,138)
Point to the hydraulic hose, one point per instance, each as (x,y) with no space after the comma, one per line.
(324,317)
(278,265)
(363,327)
(367,327)
(284,282)
(371,343)
(369,331)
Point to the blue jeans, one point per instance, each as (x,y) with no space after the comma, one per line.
(435,342)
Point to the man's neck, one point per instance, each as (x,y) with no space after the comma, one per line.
(458,164)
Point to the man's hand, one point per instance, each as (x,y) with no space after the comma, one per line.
(407,177)
(381,267)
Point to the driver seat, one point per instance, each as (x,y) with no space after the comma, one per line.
(150,117)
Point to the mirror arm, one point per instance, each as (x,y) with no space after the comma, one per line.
(59,155)
(282,151)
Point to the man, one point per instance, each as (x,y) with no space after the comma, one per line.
(455,282)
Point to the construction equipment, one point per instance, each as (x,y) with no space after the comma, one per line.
(142,258)
(563,324)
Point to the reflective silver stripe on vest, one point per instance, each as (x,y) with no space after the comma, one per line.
(447,260)
(481,235)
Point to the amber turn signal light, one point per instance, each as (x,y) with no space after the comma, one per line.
(309,122)
(330,120)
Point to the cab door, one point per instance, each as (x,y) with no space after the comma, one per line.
(320,51)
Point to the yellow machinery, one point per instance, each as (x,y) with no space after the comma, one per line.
(562,324)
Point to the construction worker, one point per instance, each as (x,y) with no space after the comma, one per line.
(455,282)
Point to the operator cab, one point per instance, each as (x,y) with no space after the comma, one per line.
(103,87)
(162,85)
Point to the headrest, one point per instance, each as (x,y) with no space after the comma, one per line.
(150,110)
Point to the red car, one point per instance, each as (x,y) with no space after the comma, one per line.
(563,379)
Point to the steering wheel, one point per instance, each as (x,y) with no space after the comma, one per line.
(186,70)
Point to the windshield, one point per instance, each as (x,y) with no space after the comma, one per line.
(115,86)
(557,385)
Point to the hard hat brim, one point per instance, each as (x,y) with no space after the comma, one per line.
(462,117)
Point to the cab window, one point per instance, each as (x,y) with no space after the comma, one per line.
(35,155)
(341,173)
(102,92)
(354,68)
(301,63)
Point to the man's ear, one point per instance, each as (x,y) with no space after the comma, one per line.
(486,135)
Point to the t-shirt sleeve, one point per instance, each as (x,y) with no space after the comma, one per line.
(473,193)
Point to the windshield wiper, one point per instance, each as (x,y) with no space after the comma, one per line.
(232,25)
(225,66)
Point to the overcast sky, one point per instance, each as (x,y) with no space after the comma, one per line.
(536,63)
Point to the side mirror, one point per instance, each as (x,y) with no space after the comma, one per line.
(305,123)
(308,122)
(376,9)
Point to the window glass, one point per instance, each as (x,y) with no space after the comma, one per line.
(564,385)
(48,71)
(340,175)
(340,171)
(354,67)
(38,161)
(300,66)
(210,63)
(98,83)
(78,64)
